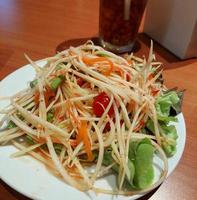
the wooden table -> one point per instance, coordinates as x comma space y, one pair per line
38, 27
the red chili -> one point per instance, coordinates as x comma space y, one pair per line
154, 91
80, 81
128, 78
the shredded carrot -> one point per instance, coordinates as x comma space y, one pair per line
40, 140
36, 97
119, 71
83, 136
57, 112
40, 127
92, 61
76, 176
43, 154
139, 126
154, 91
61, 118
73, 142
48, 94
71, 114
150, 76
130, 61
52, 75
73, 172
43, 140
131, 106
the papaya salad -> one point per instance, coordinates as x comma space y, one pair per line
88, 107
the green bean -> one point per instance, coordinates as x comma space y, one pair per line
30, 140
11, 125
33, 83
56, 82
50, 115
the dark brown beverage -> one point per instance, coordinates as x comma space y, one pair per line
119, 23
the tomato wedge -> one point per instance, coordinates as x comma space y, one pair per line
100, 103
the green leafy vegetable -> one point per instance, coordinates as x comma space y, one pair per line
144, 172
134, 145
108, 160
170, 135
164, 103
129, 181
150, 125
169, 131
141, 155
169, 149
177, 107
140, 164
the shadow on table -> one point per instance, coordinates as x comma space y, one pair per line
168, 56
149, 195
14, 193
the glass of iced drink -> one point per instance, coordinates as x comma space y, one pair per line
119, 22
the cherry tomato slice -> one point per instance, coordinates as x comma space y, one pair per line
100, 103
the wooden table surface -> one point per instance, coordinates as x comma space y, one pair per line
38, 27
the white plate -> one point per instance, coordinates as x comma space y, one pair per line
31, 178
